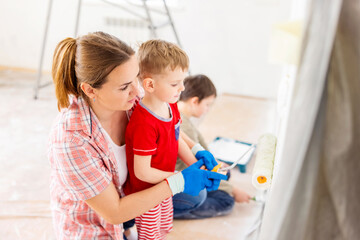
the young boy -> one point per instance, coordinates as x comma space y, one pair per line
153, 139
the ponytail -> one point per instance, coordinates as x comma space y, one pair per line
63, 71
87, 59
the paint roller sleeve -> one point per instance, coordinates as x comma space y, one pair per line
264, 162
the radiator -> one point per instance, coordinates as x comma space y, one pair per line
132, 31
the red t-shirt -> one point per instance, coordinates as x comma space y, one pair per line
150, 134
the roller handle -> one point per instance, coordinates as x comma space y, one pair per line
216, 168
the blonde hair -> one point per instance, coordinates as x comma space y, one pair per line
157, 55
88, 59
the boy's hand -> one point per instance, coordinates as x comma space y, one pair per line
208, 159
240, 196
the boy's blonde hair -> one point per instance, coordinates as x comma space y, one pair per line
155, 56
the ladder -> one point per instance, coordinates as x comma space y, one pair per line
147, 18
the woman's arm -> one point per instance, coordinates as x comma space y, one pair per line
144, 171
116, 210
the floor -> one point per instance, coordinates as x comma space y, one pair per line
24, 168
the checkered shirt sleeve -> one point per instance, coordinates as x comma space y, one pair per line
80, 170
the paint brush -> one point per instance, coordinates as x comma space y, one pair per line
257, 199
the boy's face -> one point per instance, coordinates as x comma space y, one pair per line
201, 108
169, 84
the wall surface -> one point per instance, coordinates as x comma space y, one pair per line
227, 40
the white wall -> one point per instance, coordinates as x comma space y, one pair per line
226, 40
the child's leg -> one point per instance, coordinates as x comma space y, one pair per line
148, 224
127, 228
166, 216
184, 204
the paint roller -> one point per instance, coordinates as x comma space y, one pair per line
264, 162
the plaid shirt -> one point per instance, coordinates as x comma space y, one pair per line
82, 166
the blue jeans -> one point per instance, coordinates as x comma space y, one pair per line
127, 225
205, 205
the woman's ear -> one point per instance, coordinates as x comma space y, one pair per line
148, 84
88, 90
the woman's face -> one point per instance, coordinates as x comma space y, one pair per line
121, 88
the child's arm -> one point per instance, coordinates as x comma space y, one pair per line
199, 152
187, 139
184, 152
146, 173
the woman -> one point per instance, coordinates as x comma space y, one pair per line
95, 79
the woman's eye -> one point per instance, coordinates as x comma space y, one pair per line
174, 85
124, 88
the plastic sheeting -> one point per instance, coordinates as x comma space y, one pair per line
24, 172
316, 192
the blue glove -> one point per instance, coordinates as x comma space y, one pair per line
196, 179
208, 159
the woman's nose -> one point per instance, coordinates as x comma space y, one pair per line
135, 88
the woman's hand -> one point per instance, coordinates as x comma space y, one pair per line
196, 179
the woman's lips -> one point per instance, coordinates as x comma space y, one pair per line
132, 100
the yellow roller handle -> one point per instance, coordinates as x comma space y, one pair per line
216, 168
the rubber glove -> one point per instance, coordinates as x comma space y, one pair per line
196, 179
208, 159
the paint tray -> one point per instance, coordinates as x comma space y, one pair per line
229, 150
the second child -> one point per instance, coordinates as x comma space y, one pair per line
195, 101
